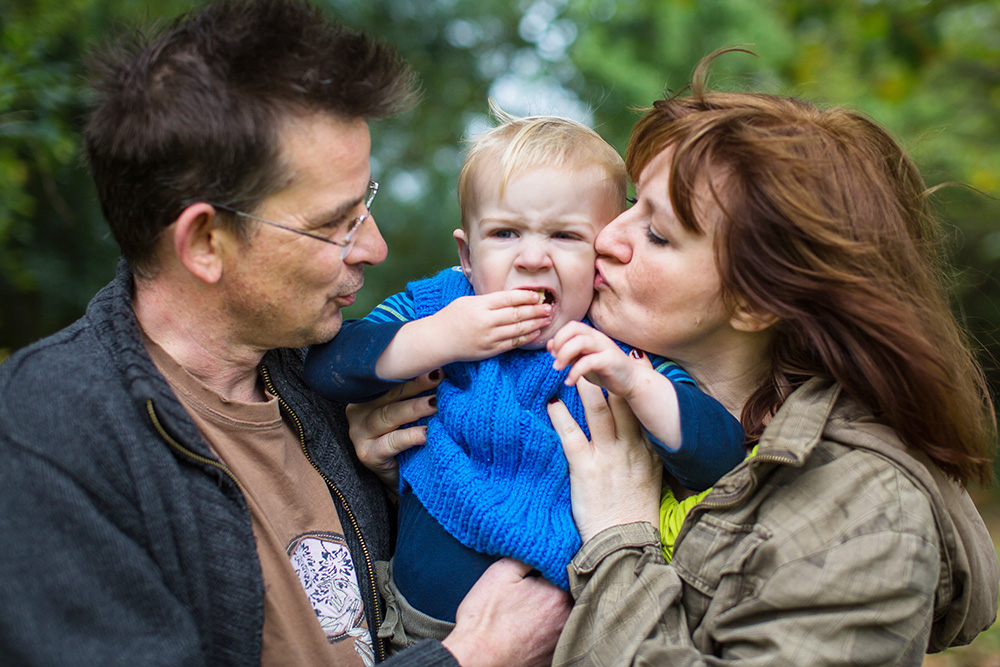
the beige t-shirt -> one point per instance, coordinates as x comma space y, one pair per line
307, 568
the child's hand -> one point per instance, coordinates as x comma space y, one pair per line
467, 329
596, 357
482, 326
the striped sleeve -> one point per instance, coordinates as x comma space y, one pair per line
397, 308
672, 371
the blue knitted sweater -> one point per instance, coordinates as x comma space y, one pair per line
493, 473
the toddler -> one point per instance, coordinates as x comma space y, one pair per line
492, 479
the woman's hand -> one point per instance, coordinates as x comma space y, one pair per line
614, 477
375, 426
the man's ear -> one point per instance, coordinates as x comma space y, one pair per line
197, 241
747, 320
463, 252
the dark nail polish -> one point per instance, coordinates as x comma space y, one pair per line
433, 401
636, 354
553, 400
435, 375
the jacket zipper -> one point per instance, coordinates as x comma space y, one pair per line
187, 452
343, 500
706, 504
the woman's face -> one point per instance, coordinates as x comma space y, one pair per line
657, 284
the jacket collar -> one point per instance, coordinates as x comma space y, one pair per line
965, 599
800, 422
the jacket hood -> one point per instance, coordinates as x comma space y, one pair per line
966, 597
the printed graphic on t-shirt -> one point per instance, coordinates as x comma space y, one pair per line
326, 570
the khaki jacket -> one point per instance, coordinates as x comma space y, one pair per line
833, 545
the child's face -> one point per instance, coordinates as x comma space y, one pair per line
539, 235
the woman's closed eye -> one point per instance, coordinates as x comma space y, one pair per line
655, 238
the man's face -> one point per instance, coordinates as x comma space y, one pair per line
539, 234
286, 289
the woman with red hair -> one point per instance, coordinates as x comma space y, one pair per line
787, 257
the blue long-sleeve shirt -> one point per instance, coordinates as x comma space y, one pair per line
344, 370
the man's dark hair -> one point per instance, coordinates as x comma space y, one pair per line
193, 112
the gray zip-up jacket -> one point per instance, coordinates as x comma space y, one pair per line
123, 540
833, 545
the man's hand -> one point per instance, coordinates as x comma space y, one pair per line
508, 618
375, 426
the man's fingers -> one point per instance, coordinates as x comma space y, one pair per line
509, 568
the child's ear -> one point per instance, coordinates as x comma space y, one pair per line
198, 243
463, 252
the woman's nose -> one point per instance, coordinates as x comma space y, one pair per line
614, 241
533, 255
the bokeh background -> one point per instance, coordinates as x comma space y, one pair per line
927, 69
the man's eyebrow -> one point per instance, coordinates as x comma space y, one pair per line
339, 212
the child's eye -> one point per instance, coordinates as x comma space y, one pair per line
566, 236
503, 234
654, 238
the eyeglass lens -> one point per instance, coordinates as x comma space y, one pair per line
369, 200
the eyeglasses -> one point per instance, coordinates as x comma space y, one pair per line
346, 243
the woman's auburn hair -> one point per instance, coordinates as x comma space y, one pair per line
824, 223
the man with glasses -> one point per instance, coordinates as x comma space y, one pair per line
171, 492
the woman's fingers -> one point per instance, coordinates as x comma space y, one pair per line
574, 441
375, 426
600, 420
418, 385
614, 477
627, 426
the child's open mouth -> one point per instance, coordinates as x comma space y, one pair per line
547, 296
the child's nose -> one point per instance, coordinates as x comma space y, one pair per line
533, 255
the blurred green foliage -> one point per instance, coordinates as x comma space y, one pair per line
928, 69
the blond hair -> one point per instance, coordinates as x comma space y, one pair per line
517, 145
